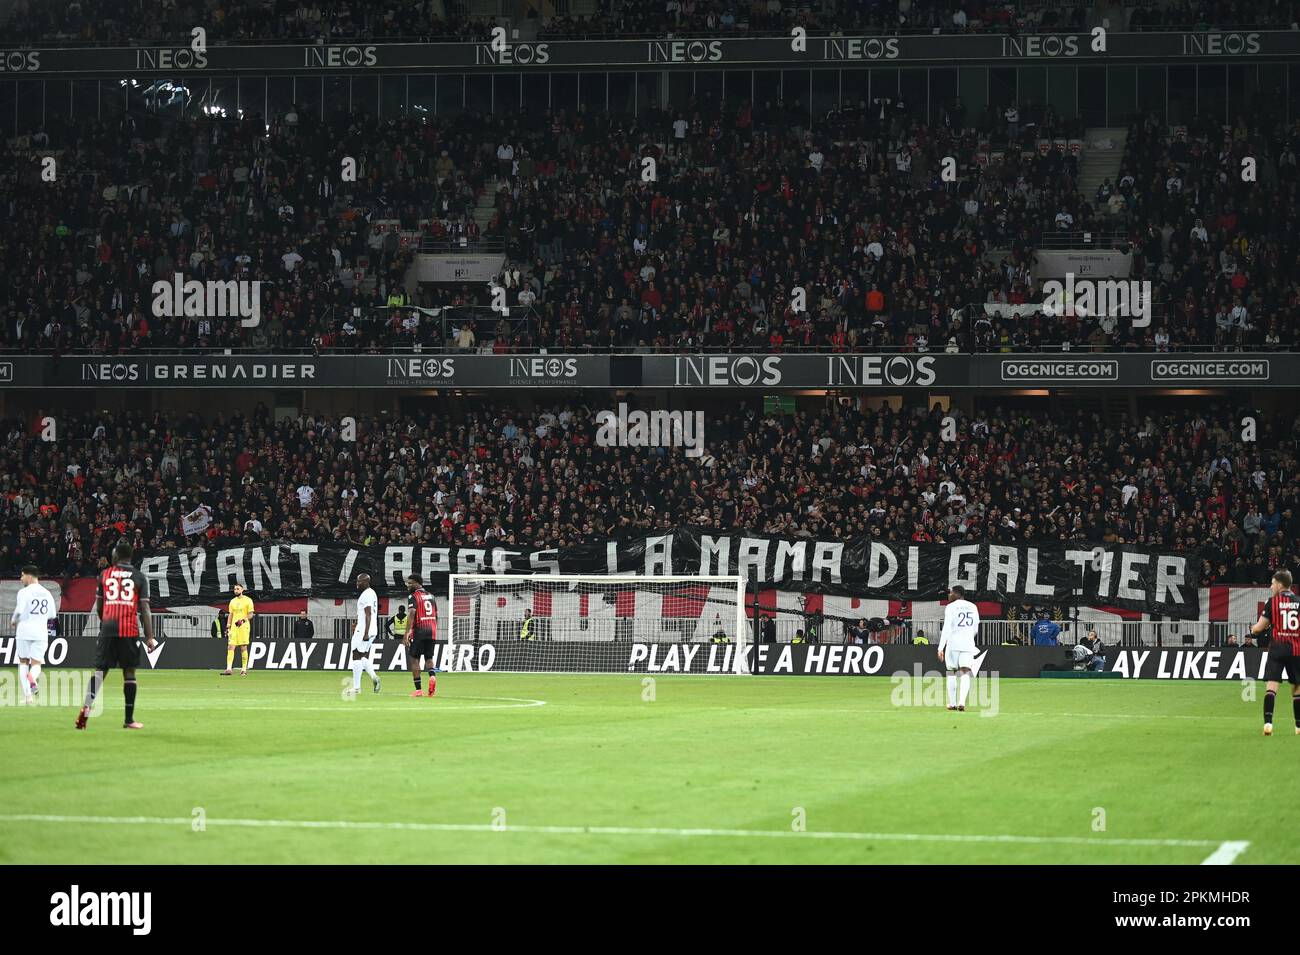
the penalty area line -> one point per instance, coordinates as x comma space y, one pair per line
1221, 851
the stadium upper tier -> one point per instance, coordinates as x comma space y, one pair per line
130, 22
484, 473
746, 205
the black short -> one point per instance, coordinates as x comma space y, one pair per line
423, 647
1282, 659
115, 651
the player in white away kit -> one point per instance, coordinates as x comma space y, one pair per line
32, 614
363, 636
961, 623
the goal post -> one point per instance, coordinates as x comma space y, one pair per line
599, 623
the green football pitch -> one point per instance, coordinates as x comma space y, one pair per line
570, 768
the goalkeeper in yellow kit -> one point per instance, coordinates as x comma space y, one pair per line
238, 628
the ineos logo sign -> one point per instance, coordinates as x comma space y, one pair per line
340, 56
685, 51
421, 368
897, 371
517, 54
1220, 44
110, 371
1040, 45
180, 59
862, 48
543, 368
740, 371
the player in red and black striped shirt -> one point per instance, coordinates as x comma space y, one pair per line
1281, 616
421, 634
122, 603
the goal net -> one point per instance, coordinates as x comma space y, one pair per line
600, 624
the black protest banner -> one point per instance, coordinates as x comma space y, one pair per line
1125, 576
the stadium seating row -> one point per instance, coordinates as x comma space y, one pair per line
746, 206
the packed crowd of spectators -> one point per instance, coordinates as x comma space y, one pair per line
1206, 15
680, 228
136, 202
856, 212
170, 21
483, 474
1220, 248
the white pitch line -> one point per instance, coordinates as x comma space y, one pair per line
976, 710
1128, 716
236, 703
616, 831
899, 710
508, 703
345, 708
1226, 853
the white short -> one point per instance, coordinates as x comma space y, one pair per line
362, 643
33, 648
958, 659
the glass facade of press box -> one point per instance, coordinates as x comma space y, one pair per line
1100, 95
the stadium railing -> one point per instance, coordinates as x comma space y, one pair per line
1113, 633
1170, 634
1082, 240
461, 246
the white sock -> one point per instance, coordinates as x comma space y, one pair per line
368, 665
964, 681
951, 681
35, 670
22, 676
356, 674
